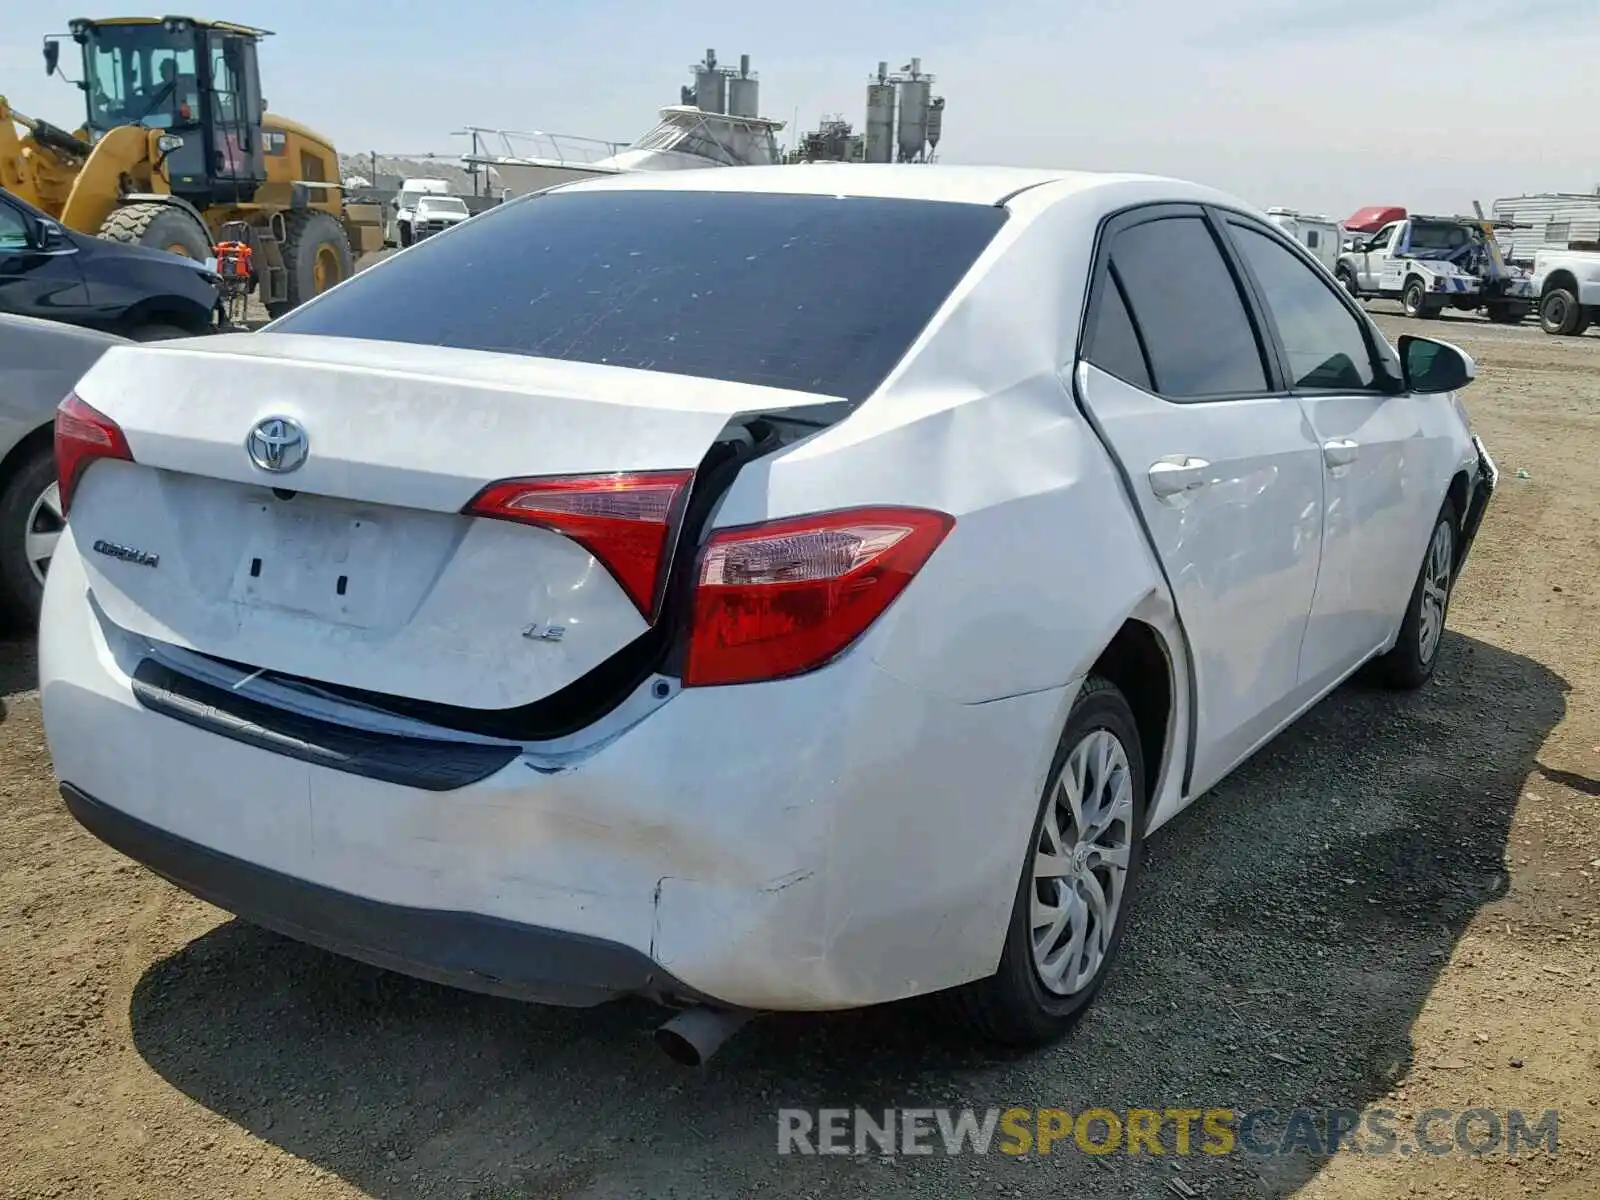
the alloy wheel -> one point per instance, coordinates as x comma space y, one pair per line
43, 531
1435, 592
1080, 863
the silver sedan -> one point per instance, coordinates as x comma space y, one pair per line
39, 363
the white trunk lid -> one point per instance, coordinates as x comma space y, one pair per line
369, 577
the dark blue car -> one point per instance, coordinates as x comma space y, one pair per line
49, 271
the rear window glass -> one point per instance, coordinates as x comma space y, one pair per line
819, 294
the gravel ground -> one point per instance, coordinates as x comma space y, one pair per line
1396, 905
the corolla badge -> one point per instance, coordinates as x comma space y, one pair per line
278, 444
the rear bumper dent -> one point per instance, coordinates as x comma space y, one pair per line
466, 950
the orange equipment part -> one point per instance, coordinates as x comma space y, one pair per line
234, 259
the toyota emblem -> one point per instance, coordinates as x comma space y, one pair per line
277, 444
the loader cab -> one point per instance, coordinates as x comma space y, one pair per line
195, 81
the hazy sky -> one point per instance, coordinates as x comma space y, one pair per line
1319, 104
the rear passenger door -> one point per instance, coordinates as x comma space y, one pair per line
1181, 385
1377, 459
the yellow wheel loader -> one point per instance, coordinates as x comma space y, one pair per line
177, 142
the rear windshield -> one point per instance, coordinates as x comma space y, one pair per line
819, 294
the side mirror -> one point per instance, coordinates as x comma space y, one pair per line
52, 56
48, 236
1432, 366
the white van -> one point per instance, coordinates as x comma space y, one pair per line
1323, 236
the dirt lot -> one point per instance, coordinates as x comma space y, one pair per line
1395, 906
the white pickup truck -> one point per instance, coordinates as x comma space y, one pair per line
1431, 263
1567, 283
423, 206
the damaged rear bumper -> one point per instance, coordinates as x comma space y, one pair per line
461, 949
825, 842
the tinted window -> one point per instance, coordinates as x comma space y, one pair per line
1321, 337
1188, 308
13, 229
815, 293
1113, 344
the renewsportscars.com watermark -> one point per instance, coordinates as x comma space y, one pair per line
1177, 1131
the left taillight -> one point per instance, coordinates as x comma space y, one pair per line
625, 519
84, 435
788, 596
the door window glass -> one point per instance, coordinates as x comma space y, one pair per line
1114, 343
13, 230
1322, 339
1185, 303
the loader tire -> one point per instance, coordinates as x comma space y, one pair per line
159, 227
316, 255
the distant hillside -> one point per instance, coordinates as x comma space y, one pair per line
390, 170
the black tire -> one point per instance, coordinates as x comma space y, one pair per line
1415, 301
157, 332
1506, 314
1347, 280
159, 227
1013, 1007
1560, 312
1410, 664
310, 234
20, 593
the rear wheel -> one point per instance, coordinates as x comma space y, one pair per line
30, 526
160, 227
1561, 314
1410, 664
316, 255
1083, 858
1507, 314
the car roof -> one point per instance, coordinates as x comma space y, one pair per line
900, 181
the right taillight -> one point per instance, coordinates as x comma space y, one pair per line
786, 596
83, 435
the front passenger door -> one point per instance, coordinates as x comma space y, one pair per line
35, 282
1175, 377
1374, 256
1376, 456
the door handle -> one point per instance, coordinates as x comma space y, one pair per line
1340, 452
1179, 474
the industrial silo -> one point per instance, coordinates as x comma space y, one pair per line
744, 91
880, 117
935, 124
913, 123
710, 85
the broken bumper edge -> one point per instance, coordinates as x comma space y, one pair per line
1478, 504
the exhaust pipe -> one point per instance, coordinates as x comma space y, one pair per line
695, 1034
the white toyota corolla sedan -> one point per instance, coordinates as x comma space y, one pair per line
786, 588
